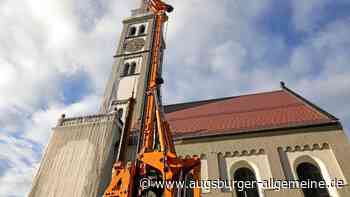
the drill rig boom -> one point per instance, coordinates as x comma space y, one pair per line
156, 156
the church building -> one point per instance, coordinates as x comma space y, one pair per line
275, 135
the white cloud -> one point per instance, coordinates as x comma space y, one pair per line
38, 127
21, 160
15, 184
43, 44
307, 14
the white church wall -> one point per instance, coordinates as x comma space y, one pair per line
204, 174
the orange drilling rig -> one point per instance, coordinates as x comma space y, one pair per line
156, 159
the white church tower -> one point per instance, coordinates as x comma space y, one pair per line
132, 61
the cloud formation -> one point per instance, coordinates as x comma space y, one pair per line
56, 56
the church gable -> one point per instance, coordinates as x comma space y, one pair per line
248, 113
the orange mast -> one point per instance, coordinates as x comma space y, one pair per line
151, 163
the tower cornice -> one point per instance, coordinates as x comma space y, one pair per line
137, 18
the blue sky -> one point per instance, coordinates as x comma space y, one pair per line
56, 57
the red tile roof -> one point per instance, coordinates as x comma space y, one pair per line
255, 112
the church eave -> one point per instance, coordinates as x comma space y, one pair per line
334, 124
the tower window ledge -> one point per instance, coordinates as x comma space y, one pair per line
131, 53
130, 75
136, 36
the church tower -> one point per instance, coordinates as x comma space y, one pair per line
132, 62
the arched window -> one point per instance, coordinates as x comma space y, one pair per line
132, 31
309, 172
120, 113
132, 68
242, 175
142, 29
126, 69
